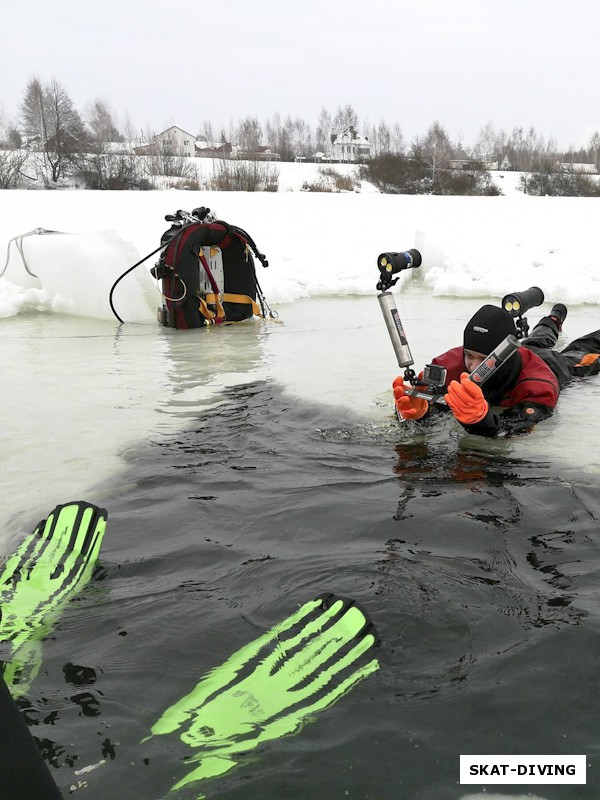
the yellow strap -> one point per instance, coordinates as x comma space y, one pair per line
205, 310
236, 298
215, 300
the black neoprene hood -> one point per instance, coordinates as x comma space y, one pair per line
487, 328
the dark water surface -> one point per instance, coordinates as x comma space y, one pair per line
479, 570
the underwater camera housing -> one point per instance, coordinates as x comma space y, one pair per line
434, 378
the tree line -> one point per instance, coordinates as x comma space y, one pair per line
67, 140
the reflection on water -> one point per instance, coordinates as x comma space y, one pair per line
91, 389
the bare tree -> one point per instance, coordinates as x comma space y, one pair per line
272, 128
397, 139
249, 135
12, 165
594, 149
10, 137
14, 138
32, 113
66, 135
280, 137
105, 166
382, 138
551, 151
323, 131
102, 123
53, 126
436, 149
302, 140
486, 144
206, 132
344, 118
516, 145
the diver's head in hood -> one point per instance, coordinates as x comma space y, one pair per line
483, 332
487, 328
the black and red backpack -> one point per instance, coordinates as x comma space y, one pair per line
207, 272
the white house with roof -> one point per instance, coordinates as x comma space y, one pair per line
350, 146
177, 140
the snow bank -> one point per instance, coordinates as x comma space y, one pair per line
317, 245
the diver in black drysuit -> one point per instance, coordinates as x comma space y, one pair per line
565, 364
524, 390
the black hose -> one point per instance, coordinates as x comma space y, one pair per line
161, 247
120, 278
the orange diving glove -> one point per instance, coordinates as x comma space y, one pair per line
407, 406
466, 400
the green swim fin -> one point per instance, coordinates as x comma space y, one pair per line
272, 686
49, 567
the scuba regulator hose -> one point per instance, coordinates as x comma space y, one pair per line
127, 271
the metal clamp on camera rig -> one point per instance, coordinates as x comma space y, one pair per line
431, 385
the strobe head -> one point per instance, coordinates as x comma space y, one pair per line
391, 264
519, 303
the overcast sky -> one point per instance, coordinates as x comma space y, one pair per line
460, 62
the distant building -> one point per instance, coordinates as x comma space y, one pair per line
505, 166
206, 149
262, 153
472, 163
175, 139
179, 142
580, 169
350, 146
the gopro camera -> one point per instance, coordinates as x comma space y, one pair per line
434, 375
